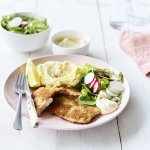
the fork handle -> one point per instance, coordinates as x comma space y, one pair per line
18, 123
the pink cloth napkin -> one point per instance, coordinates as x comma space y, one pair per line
137, 45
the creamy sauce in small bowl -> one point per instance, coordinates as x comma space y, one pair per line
70, 42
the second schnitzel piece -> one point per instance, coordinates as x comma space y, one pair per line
43, 96
71, 109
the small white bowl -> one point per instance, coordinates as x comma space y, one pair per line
25, 42
81, 49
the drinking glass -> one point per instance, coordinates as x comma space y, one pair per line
124, 13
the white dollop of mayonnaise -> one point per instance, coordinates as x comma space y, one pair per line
106, 106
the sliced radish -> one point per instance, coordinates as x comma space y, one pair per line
15, 22
116, 87
23, 23
89, 78
92, 84
96, 87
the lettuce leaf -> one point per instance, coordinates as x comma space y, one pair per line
87, 100
104, 83
88, 68
85, 90
86, 96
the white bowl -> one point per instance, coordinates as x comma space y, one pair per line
83, 49
25, 42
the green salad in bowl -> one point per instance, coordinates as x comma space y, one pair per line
22, 24
25, 31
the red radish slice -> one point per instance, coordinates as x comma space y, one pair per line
89, 78
96, 87
23, 23
92, 84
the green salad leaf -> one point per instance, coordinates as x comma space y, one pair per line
106, 71
88, 68
87, 100
85, 90
86, 96
104, 83
117, 76
118, 99
16, 29
121, 79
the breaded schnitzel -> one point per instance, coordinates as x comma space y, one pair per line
64, 103
43, 96
70, 109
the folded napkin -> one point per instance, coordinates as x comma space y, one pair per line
137, 45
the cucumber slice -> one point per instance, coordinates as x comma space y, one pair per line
112, 94
116, 87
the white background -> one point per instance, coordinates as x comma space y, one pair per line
130, 131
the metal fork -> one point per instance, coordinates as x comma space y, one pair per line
19, 89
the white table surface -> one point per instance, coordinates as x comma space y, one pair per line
129, 131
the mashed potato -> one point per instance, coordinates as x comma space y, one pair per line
60, 73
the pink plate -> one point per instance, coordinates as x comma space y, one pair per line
54, 122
